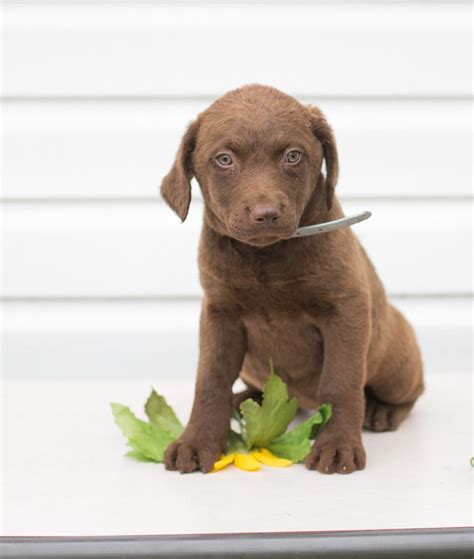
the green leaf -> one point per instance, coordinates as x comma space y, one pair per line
264, 423
146, 439
161, 414
296, 444
126, 421
326, 411
235, 442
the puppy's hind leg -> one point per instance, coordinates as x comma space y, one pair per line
392, 392
249, 392
382, 416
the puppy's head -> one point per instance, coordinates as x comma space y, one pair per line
257, 155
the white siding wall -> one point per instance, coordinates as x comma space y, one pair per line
99, 276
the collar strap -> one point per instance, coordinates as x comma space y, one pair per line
318, 228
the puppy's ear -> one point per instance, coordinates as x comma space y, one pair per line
324, 134
176, 186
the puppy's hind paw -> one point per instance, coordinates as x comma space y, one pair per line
380, 416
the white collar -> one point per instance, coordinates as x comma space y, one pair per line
318, 228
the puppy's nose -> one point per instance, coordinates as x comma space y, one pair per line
265, 213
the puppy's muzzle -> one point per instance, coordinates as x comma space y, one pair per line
265, 214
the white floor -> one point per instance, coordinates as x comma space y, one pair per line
64, 474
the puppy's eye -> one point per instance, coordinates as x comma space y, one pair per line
224, 159
293, 156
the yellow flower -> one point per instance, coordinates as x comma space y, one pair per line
269, 459
250, 462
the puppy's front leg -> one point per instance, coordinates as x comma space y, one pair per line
346, 334
222, 346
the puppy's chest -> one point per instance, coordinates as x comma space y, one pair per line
271, 294
293, 342
271, 299
279, 284
280, 307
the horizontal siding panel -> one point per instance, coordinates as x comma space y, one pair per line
119, 149
143, 249
154, 338
95, 49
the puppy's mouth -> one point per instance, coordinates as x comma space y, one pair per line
263, 238
263, 241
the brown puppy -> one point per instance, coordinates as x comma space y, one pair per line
314, 304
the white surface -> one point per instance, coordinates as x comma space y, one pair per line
64, 472
142, 338
80, 149
177, 49
144, 250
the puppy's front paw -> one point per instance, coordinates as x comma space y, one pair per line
336, 454
188, 455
